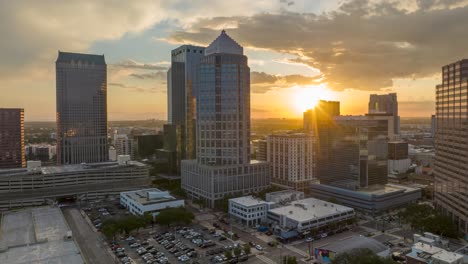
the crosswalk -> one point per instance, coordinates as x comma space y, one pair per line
265, 259
296, 250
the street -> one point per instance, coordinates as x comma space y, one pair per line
90, 242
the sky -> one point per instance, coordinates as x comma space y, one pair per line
299, 51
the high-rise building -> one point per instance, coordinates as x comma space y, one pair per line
433, 126
12, 138
182, 95
385, 104
352, 150
124, 145
223, 166
81, 81
262, 150
291, 158
451, 144
398, 157
324, 111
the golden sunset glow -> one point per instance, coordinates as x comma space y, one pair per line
306, 97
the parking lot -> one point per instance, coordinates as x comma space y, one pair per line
178, 245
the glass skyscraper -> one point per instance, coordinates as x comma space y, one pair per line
451, 144
223, 164
81, 81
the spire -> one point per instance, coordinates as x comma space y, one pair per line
224, 44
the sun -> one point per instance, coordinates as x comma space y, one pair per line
307, 97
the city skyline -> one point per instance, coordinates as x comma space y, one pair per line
289, 74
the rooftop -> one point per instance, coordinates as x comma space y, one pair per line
309, 209
224, 44
69, 168
69, 57
447, 256
353, 242
248, 201
149, 196
36, 235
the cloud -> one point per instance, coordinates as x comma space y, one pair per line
159, 75
136, 88
131, 64
362, 45
262, 82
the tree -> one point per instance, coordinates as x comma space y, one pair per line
110, 228
423, 217
332, 200
237, 252
361, 256
178, 215
247, 249
289, 260
228, 254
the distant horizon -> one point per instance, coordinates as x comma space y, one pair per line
266, 118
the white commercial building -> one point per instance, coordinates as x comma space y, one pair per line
291, 158
249, 210
296, 218
148, 201
304, 215
426, 253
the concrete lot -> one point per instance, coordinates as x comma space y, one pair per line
46, 224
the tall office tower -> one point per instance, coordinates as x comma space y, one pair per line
324, 111
223, 166
451, 144
433, 126
291, 158
354, 151
12, 138
182, 95
81, 108
385, 104
398, 158
124, 145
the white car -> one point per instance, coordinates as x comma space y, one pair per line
324, 235
259, 248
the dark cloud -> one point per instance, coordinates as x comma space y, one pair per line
159, 75
136, 88
131, 64
262, 82
362, 45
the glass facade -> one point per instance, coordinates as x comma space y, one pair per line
451, 143
223, 110
352, 151
81, 81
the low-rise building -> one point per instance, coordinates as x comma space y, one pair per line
38, 184
422, 253
327, 253
304, 215
249, 210
149, 201
284, 197
372, 200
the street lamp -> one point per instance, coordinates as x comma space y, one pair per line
310, 242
